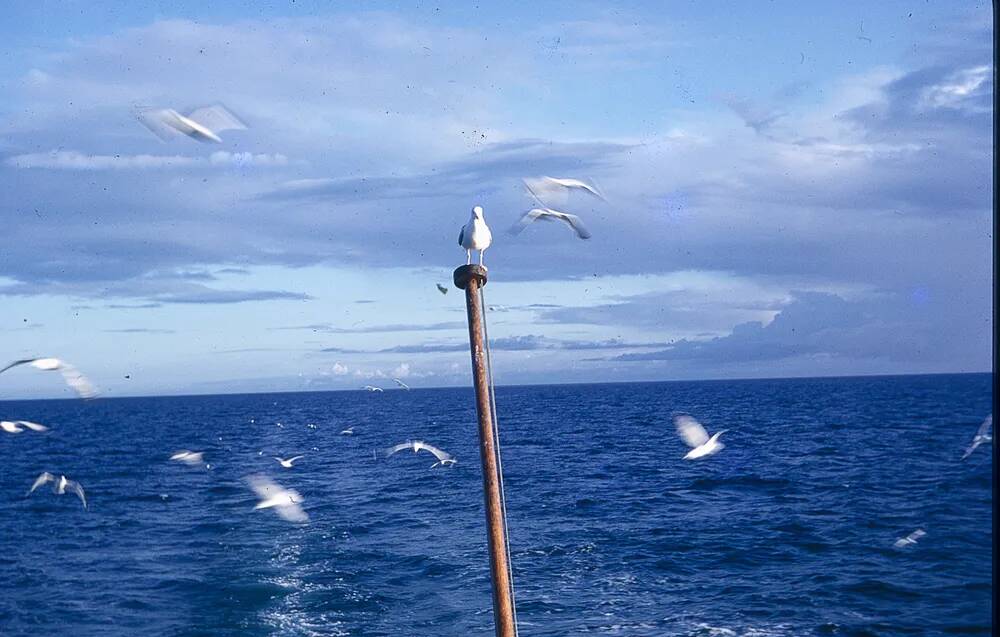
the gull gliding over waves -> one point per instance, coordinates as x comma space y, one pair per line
443, 457
287, 463
18, 426
372, 388
983, 435
475, 235
348, 432
910, 539
401, 384
201, 124
191, 458
548, 214
285, 502
691, 431
60, 487
71, 375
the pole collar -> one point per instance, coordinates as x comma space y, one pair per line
466, 273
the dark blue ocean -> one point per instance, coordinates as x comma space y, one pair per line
788, 531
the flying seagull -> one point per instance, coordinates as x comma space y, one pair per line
549, 190
475, 235
443, 457
691, 431
348, 432
910, 539
202, 124
548, 214
442, 289
372, 388
287, 463
983, 435
70, 374
285, 502
401, 384
60, 487
191, 458
18, 426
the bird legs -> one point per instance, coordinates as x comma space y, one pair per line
468, 257
482, 253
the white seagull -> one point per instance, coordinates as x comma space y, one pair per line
401, 384
983, 435
549, 190
202, 124
372, 388
61, 486
191, 458
348, 432
70, 374
285, 502
691, 431
475, 235
910, 539
18, 426
287, 463
548, 214
442, 289
443, 458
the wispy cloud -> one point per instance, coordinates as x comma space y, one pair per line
524, 343
326, 328
140, 330
74, 160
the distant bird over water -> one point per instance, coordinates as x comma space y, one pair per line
692, 433
548, 214
18, 426
288, 463
983, 435
202, 124
475, 235
372, 388
285, 502
190, 458
442, 289
348, 432
401, 384
910, 539
61, 486
77, 381
443, 457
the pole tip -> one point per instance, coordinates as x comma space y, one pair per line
466, 273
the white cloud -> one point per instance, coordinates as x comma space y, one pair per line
74, 160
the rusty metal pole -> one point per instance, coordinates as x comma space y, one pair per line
471, 278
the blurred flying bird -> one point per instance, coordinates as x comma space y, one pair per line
443, 457
17, 426
287, 463
285, 502
475, 235
442, 289
191, 458
983, 435
202, 124
372, 388
348, 432
60, 487
401, 383
910, 539
548, 191
547, 214
70, 374
692, 433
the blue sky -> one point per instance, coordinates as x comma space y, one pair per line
793, 190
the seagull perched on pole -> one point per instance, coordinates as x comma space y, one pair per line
691, 431
62, 484
202, 124
475, 235
443, 457
983, 435
70, 374
548, 214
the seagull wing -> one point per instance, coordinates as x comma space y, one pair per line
40, 480
576, 224
461, 237
293, 459
34, 426
578, 183
546, 191
83, 387
691, 431
439, 454
984, 429
401, 446
217, 118
76, 488
290, 510
527, 219
23, 361
442, 289
10, 427
400, 383
264, 487
162, 122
